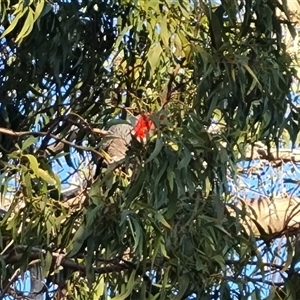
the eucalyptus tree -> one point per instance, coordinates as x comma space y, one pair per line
166, 224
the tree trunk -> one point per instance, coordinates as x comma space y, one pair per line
275, 216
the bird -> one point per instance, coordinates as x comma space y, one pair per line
120, 137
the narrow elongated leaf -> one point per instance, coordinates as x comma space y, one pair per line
14, 23
34, 165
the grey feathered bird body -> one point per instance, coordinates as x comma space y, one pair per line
117, 143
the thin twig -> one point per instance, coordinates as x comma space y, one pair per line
11, 281
167, 92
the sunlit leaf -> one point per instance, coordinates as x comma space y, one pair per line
29, 142
45, 176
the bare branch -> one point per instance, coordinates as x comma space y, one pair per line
166, 94
15, 255
278, 156
13, 278
46, 134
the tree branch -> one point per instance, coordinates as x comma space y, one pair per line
47, 134
275, 216
166, 94
16, 254
277, 156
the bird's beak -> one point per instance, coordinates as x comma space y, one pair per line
142, 141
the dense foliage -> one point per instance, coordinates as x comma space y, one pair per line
163, 227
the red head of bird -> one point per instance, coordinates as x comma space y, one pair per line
143, 127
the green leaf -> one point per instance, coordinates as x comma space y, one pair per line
170, 177
154, 56
13, 23
161, 219
185, 160
82, 233
184, 282
34, 165
46, 9
136, 232
28, 186
46, 264
253, 75
28, 142
173, 198
129, 287
220, 260
158, 146
46, 176
164, 32
27, 27
38, 9
121, 35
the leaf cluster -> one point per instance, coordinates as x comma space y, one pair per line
160, 227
